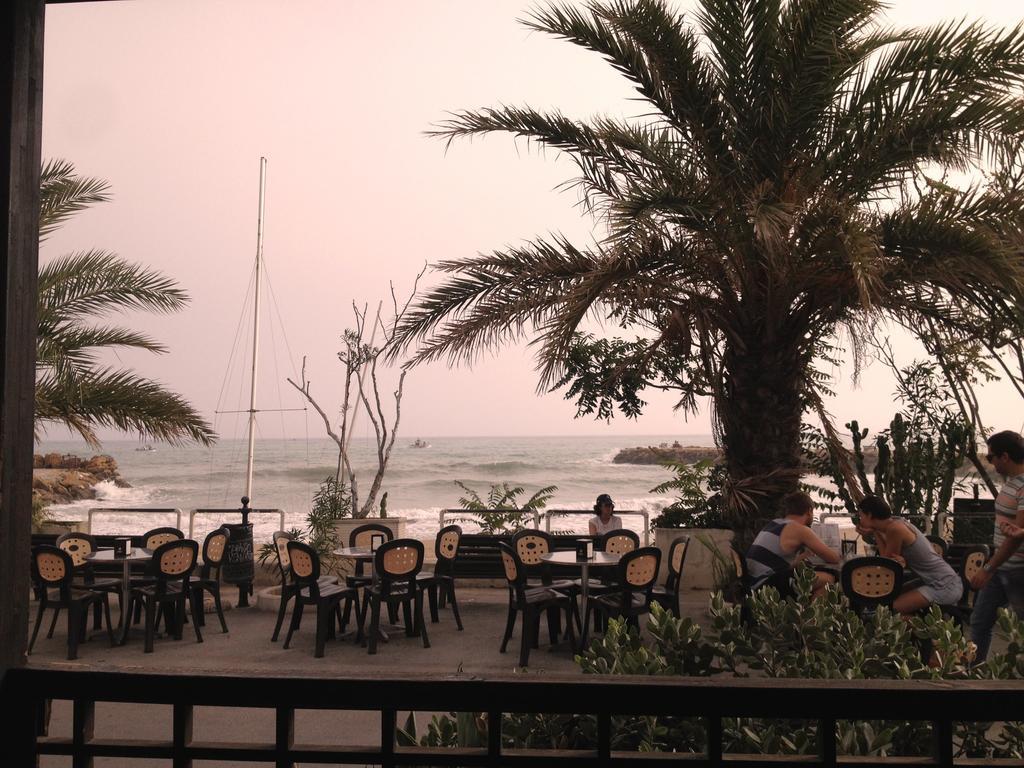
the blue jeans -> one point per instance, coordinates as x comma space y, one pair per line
1004, 588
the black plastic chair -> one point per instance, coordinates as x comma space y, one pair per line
618, 542
214, 546
869, 582
531, 603
973, 559
173, 563
396, 565
309, 590
440, 584
53, 573
80, 546
939, 544
667, 595
151, 540
288, 587
637, 572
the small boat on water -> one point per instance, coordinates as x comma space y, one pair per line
420, 444
147, 448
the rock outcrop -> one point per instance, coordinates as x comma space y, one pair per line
58, 479
651, 454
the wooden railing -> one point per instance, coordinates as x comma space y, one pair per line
820, 701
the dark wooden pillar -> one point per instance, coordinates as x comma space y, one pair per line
21, 120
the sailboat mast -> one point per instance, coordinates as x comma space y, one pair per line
255, 332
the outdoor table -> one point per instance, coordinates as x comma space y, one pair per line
365, 555
599, 560
138, 555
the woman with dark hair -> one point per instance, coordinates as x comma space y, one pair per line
604, 521
903, 542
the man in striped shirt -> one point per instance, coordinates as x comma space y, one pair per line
1001, 580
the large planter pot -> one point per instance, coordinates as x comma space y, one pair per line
699, 569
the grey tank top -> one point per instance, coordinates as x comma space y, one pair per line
766, 556
923, 561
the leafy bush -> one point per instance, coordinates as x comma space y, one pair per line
331, 503
504, 514
699, 502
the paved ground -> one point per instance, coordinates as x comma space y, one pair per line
247, 649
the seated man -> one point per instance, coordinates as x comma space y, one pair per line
781, 545
898, 539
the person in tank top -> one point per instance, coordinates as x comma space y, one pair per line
603, 520
900, 540
782, 544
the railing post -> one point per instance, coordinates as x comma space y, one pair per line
827, 742
388, 723
604, 738
182, 735
83, 719
494, 738
942, 733
285, 737
715, 740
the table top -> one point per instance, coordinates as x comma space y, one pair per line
358, 553
138, 555
568, 557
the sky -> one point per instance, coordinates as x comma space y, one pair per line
174, 101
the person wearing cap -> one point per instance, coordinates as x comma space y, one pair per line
603, 520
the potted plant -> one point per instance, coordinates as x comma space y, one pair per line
697, 512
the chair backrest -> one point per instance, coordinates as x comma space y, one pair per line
618, 542
939, 545
871, 581
305, 564
515, 572
78, 545
973, 559
214, 546
152, 540
530, 545
638, 570
446, 548
284, 563
175, 560
676, 559
360, 536
398, 560
52, 568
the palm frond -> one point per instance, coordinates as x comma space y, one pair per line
65, 193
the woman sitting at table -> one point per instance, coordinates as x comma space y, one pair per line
604, 521
900, 540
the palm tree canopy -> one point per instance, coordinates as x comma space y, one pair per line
77, 289
788, 181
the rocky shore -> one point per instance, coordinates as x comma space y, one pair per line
691, 454
61, 479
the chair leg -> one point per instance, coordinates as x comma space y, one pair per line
510, 624
450, 591
281, 611
324, 619
421, 624
97, 616
74, 630
106, 613
296, 620
348, 611
432, 596
53, 623
195, 602
554, 622
220, 608
371, 640
39, 621
150, 624
571, 619
410, 629
530, 620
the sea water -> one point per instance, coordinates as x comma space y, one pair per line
420, 482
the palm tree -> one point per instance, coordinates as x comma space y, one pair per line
72, 387
787, 187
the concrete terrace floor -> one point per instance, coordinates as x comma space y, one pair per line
246, 649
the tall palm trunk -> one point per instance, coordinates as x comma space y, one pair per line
760, 416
